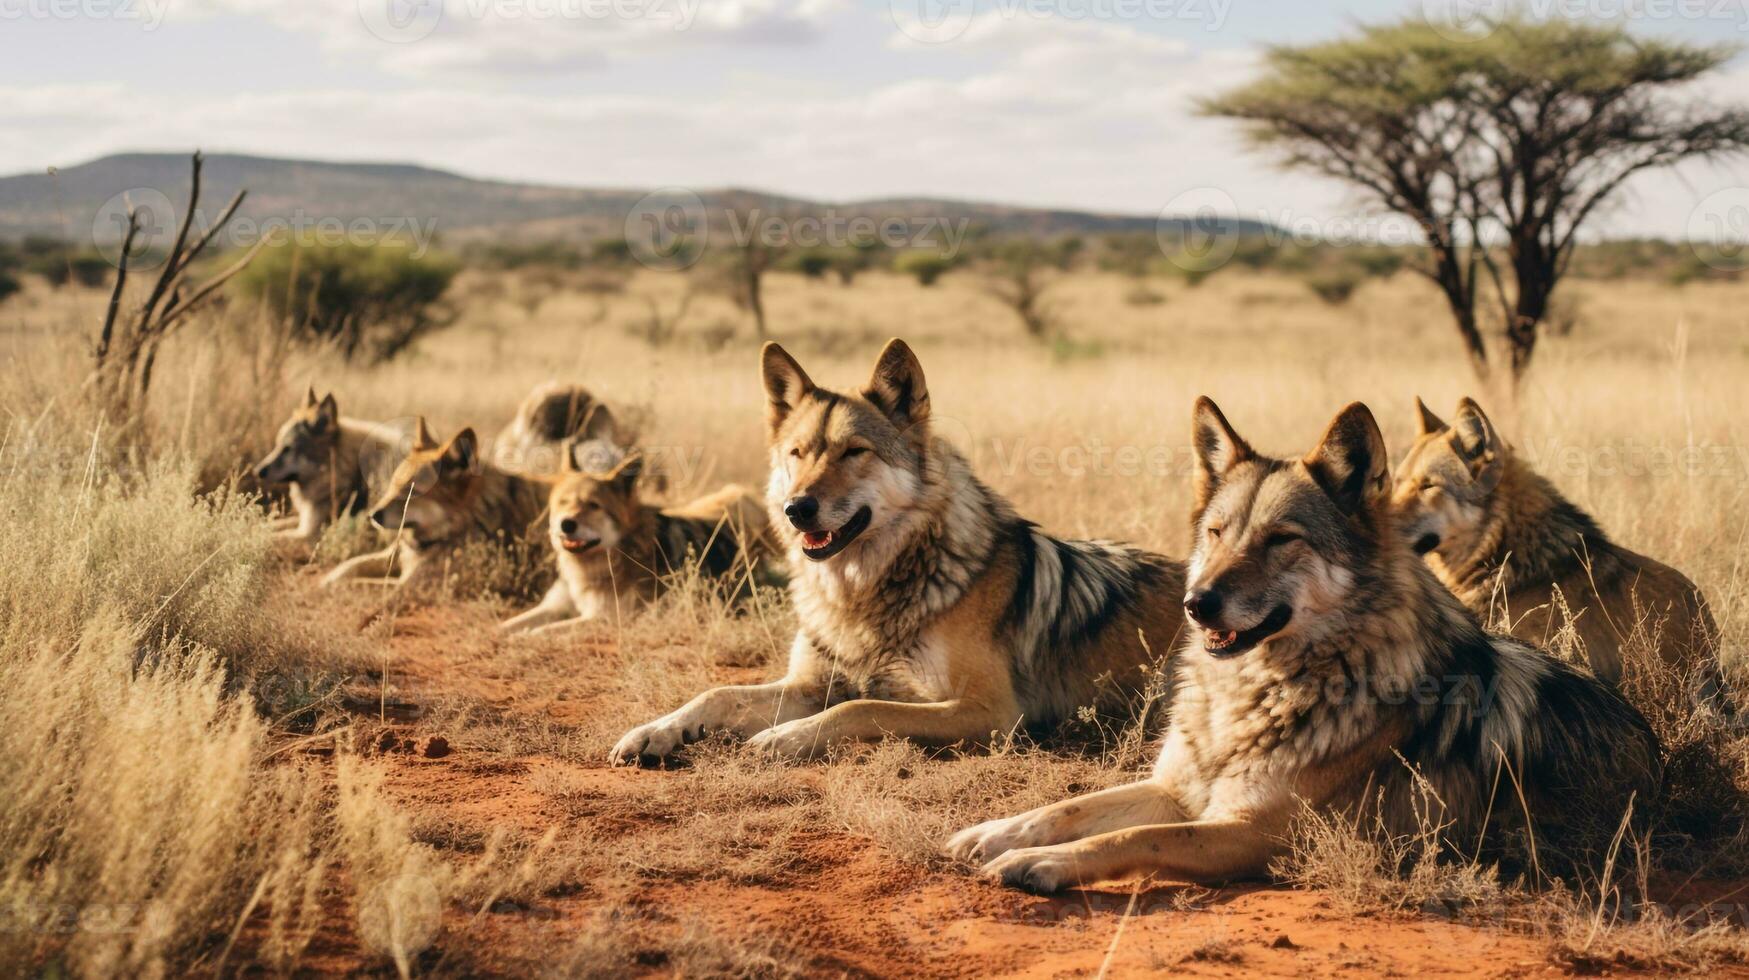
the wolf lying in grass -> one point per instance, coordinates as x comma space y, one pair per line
1505, 541
616, 553
440, 496
556, 423
929, 609
333, 465
1330, 668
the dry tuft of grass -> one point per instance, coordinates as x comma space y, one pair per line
619, 941
140, 817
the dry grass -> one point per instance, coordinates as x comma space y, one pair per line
139, 816
138, 617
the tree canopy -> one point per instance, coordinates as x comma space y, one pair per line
1511, 134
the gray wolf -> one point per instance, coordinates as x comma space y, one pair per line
1509, 545
332, 464
1329, 668
929, 610
616, 553
440, 496
556, 424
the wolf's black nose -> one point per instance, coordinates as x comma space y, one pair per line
261, 472
801, 511
1203, 605
568, 526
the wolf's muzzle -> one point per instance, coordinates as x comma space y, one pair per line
1203, 605
803, 512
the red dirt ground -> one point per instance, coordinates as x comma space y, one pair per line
850, 908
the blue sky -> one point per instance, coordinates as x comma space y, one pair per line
1074, 103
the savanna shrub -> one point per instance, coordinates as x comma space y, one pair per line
1334, 285
927, 267
372, 302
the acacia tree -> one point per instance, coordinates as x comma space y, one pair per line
1020, 271
1498, 143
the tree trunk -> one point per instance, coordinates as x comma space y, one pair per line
1460, 296
1534, 274
751, 269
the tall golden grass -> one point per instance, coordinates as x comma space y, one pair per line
140, 781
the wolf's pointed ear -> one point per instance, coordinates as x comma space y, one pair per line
1425, 419
897, 387
598, 423
328, 412
422, 438
463, 449
1218, 448
786, 384
310, 397
1350, 461
1476, 438
625, 476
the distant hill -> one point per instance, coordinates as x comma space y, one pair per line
70, 203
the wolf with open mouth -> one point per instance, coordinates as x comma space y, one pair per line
1329, 671
929, 610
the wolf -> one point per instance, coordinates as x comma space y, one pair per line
332, 464
441, 495
1506, 542
556, 423
928, 609
616, 553
1329, 668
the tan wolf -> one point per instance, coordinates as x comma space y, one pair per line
615, 552
929, 610
1506, 542
332, 464
440, 496
1330, 668
555, 424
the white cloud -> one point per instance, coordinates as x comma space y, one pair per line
432, 38
1018, 110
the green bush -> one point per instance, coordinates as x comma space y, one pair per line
926, 267
56, 261
524, 255
1378, 261
811, 262
610, 251
843, 261
87, 268
1335, 284
9, 284
1190, 269
371, 301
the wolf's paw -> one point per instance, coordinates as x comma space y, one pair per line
795, 741
984, 842
335, 577
655, 741
1036, 869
